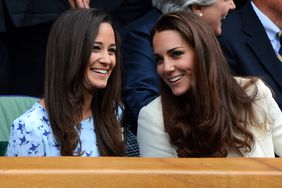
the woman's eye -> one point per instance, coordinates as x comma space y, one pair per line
112, 51
96, 48
176, 54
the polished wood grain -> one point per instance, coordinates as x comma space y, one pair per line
80, 172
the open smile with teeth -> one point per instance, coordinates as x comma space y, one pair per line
175, 79
224, 17
100, 71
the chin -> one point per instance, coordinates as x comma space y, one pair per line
100, 86
178, 93
218, 31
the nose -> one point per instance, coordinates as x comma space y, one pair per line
168, 66
232, 5
105, 58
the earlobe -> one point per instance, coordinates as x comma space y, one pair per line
197, 9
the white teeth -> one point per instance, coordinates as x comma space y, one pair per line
100, 71
176, 78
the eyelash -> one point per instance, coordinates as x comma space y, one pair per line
111, 51
176, 54
96, 48
173, 54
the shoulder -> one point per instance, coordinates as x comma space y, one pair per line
153, 108
265, 107
33, 118
29, 133
151, 135
150, 118
262, 89
152, 115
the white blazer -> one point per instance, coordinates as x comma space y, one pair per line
154, 141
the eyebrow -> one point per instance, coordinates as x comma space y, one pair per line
168, 51
100, 43
171, 50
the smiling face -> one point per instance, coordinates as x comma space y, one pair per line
175, 61
214, 13
102, 59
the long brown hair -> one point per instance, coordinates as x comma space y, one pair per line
69, 47
213, 116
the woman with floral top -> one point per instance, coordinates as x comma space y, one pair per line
80, 112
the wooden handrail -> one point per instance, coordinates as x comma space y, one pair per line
81, 172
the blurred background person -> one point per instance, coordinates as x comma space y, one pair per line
251, 42
24, 29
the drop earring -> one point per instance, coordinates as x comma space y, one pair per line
200, 14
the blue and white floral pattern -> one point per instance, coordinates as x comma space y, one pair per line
31, 135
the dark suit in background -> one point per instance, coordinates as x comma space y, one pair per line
24, 30
129, 11
140, 79
249, 51
135, 19
239, 3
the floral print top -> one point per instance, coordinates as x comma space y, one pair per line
31, 135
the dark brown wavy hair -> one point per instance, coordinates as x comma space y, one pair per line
69, 47
214, 116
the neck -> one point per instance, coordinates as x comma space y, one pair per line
270, 11
86, 110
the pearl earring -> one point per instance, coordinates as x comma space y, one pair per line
200, 14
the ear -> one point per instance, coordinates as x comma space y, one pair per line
197, 9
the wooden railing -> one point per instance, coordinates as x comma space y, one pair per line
80, 172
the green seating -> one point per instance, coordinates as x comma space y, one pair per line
11, 107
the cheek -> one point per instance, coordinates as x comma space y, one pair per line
227, 7
210, 20
159, 70
216, 19
113, 61
215, 23
94, 57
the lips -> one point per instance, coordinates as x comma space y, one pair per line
175, 78
100, 71
224, 16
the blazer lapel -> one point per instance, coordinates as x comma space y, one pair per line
261, 46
